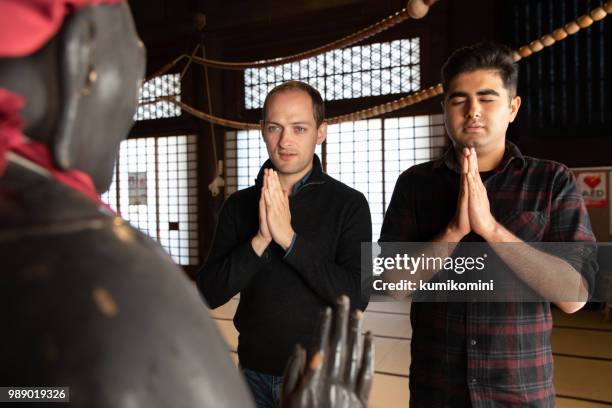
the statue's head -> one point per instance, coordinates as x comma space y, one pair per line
79, 65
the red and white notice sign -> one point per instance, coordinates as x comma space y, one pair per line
594, 187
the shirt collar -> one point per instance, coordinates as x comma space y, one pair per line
301, 183
511, 152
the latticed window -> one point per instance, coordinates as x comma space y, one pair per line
355, 157
155, 188
164, 85
354, 72
367, 155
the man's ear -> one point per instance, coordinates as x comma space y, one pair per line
75, 74
515, 104
322, 132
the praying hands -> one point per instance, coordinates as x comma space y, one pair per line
473, 209
274, 215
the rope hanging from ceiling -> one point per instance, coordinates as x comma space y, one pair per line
525, 51
415, 9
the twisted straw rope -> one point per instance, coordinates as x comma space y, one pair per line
351, 39
525, 51
562, 33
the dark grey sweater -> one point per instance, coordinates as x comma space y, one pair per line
282, 297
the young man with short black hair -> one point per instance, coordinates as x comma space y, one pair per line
483, 189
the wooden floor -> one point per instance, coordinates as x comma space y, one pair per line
582, 348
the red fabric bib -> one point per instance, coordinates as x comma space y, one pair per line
26, 25
12, 140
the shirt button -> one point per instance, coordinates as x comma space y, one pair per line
473, 342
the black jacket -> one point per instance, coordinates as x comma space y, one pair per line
282, 297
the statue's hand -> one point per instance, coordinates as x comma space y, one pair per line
340, 372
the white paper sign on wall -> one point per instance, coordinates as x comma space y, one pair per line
594, 187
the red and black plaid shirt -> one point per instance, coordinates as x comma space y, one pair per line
486, 354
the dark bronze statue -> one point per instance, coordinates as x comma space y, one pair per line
87, 301
341, 369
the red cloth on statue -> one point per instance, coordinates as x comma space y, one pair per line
12, 140
26, 25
